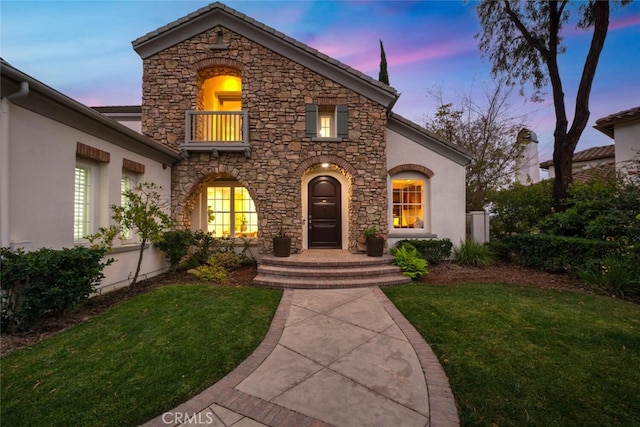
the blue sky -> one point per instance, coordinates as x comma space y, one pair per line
83, 49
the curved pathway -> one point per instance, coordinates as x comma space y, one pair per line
344, 357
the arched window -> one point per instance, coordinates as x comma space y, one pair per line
409, 201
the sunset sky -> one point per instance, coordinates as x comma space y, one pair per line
83, 49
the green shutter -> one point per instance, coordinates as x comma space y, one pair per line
342, 115
311, 112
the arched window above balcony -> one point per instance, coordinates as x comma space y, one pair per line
222, 93
219, 123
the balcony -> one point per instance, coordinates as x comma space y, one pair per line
217, 131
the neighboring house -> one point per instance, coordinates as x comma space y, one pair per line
276, 134
247, 130
587, 163
622, 156
63, 165
624, 128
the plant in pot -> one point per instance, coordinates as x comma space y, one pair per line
281, 244
243, 223
375, 241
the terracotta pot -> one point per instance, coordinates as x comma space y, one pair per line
375, 246
282, 246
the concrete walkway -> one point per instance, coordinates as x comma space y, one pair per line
343, 357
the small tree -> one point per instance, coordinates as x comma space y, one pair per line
487, 128
142, 213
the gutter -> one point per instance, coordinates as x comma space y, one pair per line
4, 161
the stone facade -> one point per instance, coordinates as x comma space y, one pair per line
275, 90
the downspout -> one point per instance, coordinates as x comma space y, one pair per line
4, 162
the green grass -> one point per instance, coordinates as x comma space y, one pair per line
136, 360
531, 356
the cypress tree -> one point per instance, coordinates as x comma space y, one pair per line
383, 76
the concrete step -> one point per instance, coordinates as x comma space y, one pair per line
336, 272
306, 283
326, 272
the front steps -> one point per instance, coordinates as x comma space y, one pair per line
328, 269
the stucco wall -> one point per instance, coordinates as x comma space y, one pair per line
42, 159
446, 189
627, 142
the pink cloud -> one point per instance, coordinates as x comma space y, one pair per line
627, 21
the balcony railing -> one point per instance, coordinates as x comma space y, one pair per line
217, 131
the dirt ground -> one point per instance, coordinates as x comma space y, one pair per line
441, 274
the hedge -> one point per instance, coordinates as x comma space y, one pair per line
556, 253
47, 281
433, 250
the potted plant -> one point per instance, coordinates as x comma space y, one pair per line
375, 241
243, 223
281, 244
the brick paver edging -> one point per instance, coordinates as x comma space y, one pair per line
223, 392
442, 405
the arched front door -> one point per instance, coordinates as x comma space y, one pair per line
324, 213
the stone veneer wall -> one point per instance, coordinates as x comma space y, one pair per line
275, 91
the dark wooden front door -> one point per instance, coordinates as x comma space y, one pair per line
324, 213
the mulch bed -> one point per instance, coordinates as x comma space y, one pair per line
440, 274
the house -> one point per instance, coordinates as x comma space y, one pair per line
248, 130
275, 134
624, 128
622, 156
598, 161
63, 165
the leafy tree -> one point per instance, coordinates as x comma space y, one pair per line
523, 40
488, 130
143, 213
383, 75
519, 208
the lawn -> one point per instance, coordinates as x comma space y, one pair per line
519, 355
137, 359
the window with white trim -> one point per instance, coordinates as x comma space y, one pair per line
409, 201
83, 201
231, 210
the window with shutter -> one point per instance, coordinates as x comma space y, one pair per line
312, 120
327, 121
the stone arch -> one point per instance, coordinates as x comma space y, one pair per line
411, 167
213, 67
326, 158
209, 63
184, 195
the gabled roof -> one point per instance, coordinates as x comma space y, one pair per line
588, 155
428, 139
50, 103
606, 124
217, 13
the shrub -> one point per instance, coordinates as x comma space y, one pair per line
473, 253
408, 258
519, 208
557, 253
433, 250
227, 260
202, 248
175, 244
47, 281
210, 273
217, 266
617, 276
